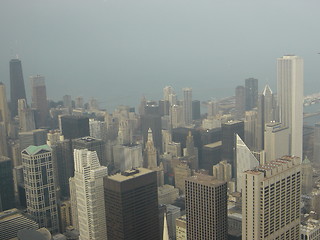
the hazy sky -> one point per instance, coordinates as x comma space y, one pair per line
119, 50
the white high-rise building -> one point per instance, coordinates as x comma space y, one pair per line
290, 99
187, 105
271, 200
276, 141
87, 192
245, 160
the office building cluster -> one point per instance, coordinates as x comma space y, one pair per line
71, 170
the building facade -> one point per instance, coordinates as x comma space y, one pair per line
39, 185
206, 208
271, 200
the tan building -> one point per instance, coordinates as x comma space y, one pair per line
271, 200
181, 172
206, 208
167, 194
65, 215
181, 228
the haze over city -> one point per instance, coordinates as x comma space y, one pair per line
118, 51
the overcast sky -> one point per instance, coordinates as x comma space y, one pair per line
119, 50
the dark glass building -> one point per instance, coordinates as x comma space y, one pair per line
17, 89
6, 184
74, 126
196, 110
229, 131
251, 86
131, 200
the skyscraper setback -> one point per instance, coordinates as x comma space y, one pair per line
290, 99
17, 88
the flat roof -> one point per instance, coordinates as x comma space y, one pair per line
130, 174
213, 145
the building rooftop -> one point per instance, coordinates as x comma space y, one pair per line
32, 150
129, 174
205, 180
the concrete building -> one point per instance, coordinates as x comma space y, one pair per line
245, 160
276, 141
222, 171
12, 221
39, 183
307, 177
4, 110
26, 117
181, 228
206, 208
187, 105
167, 194
310, 230
176, 114
92, 144
181, 172
128, 156
88, 191
271, 200
39, 99
132, 205
250, 129
172, 213
316, 144
65, 215
240, 102
290, 99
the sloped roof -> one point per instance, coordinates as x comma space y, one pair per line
32, 150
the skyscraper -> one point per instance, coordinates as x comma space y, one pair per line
206, 208
316, 144
290, 99
131, 201
74, 126
251, 85
88, 194
271, 200
229, 131
39, 184
245, 160
240, 106
187, 105
92, 144
39, 98
4, 111
17, 88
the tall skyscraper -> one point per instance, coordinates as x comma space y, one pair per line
17, 88
206, 208
6, 184
240, 106
271, 200
276, 141
4, 111
316, 144
187, 105
266, 114
245, 160
131, 201
196, 110
39, 184
229, 131
92, 144
290, 99
39, 99
26, 116
150, 153
251, 86
88, 195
